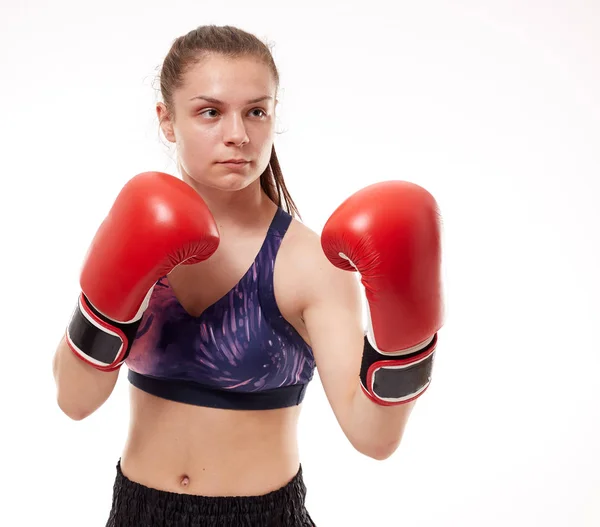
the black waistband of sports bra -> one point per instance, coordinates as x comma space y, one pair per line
190, 392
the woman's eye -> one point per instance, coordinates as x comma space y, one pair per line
210, 112
261, 113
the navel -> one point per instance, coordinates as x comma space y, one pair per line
184, 481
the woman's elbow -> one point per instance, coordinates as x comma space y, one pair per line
76, 413
379, 451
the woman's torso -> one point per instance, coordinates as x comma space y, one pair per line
209, 451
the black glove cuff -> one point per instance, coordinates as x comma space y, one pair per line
100, 341
396, 379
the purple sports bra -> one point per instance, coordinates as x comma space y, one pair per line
240, 353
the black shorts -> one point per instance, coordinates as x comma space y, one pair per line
135, 505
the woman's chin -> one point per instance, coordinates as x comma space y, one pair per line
227, 181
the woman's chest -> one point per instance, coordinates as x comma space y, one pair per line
238, 274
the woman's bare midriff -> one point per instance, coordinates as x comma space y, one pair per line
207, 451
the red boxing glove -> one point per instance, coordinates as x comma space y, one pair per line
390, 233
156, 223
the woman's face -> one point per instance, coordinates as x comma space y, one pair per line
224, 111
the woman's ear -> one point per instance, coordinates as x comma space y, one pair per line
165, 121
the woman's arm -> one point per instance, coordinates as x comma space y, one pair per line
333, 319
80, 388
390, 233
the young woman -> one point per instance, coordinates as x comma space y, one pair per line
221, 304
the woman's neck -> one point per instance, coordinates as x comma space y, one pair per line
233, 210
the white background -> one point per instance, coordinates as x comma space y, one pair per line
494, 107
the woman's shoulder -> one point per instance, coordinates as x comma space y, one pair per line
300, 252
305, 261
302, 241
298, 260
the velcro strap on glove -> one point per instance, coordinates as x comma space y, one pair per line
101, 342
396, 378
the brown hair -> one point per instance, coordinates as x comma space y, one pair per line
232, 42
